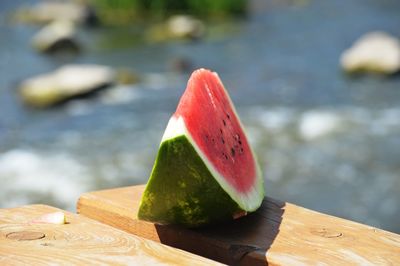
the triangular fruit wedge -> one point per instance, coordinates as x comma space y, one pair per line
205, 171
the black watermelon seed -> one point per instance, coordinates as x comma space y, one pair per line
233, 152
223, 121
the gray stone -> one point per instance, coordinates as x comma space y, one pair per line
57, 36
185, 26
67, 82
177, 27
375, 52
48, 11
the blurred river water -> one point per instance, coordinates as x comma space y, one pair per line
325, 141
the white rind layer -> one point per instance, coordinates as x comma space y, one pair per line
248, 201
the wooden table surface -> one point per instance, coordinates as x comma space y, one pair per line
80, 242
278, 233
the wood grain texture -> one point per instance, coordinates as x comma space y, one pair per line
80, 242
278, 234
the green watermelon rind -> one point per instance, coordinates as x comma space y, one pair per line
184, 188
188, 195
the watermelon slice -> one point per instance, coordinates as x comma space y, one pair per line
205, 171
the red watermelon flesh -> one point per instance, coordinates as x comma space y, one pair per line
220, 137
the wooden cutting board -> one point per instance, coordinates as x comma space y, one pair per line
81, 241
278, 233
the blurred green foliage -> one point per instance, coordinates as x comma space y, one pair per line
120, 11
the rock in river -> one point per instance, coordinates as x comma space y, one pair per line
178, 27
48, 11
185, 26
375, 52
57, 36
67, 82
